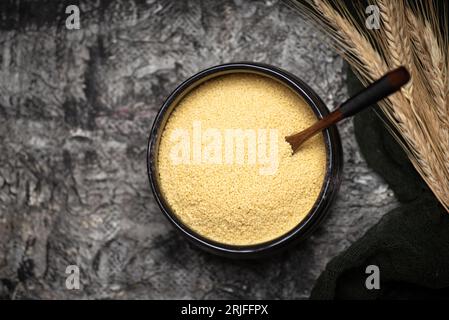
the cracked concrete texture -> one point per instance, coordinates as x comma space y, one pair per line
75, 112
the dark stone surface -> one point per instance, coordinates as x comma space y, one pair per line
75, 112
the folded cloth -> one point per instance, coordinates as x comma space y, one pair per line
409, 245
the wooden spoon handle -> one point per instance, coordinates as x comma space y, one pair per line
376, 91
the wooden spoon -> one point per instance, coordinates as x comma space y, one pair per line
376, 91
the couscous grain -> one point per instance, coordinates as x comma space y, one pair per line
234, 202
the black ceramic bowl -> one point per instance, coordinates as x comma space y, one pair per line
329, 188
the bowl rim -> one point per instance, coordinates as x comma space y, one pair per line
334, 161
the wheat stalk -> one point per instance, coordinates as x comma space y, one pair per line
410, 37
432, 65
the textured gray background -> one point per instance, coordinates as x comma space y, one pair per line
75, 112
